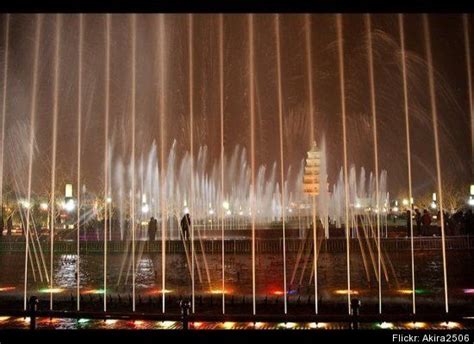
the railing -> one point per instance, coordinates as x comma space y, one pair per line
262, 245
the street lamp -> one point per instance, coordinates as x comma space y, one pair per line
226, 205
25, 204
69, 205
471, 196
433, 203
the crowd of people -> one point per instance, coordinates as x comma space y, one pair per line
458, 223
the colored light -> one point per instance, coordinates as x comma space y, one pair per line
219, 291
405, 291
83, 321
450, 324
4, 318
94, 291
228, 325
160, 291
469, 291
166, 324
259, 324
344, 292
416, 324
197, 324
277, 292
51, 290
138, 322
318, 325
44, 206
110, 321
385, 325
7, 288
290, 325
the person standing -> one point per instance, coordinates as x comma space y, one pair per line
426, 222
152, 227
418, 221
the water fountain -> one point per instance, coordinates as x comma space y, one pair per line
254, 232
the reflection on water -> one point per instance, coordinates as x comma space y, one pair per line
238, 276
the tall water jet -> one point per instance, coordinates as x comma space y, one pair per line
162, 159
407, 131
339, 25
4, 105
282, 161
106, 145
133, 114
252, 149
376, 154
79, 139
309, 72
434, 113
221, 109
191, 143
34, 91
53, 153
467, 45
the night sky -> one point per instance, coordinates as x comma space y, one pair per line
452, 94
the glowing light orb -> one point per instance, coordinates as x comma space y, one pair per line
69, 205
166, 324
385, 325
44, 206
318, 325
83, 321
416, 325
450, 324
344, 292
469, 291
219, 291
51, 290
197, 324
290, 325
94, 291
7, 288
228, 325
110, 321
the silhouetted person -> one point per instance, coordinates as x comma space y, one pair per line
185, 225
418, 221
152, 227
9, 225
426, 222
468, 220
409, 220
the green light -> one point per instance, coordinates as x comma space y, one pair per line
83, 321
422, 291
